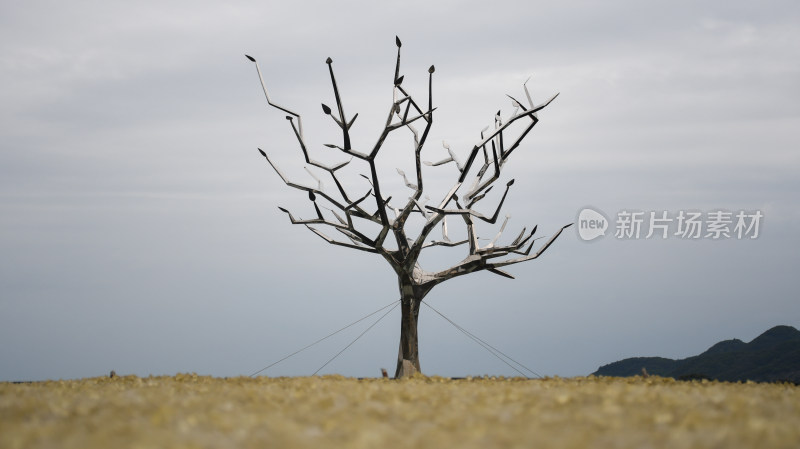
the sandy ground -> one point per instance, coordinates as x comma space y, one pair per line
190, 411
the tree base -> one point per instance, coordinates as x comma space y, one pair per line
407, 369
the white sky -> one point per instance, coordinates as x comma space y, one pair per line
139, 228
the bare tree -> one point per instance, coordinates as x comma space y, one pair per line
491, 154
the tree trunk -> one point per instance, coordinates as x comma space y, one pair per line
408, 355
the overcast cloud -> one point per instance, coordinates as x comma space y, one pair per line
139, 228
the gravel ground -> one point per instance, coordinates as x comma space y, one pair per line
190, 411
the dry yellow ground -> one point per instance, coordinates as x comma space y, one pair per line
189, 411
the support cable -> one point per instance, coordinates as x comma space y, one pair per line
359, 336
325, 337
494, 351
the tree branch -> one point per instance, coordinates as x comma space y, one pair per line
494, 146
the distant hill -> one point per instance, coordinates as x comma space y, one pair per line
772, 356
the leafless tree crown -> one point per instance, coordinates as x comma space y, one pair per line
485, 161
